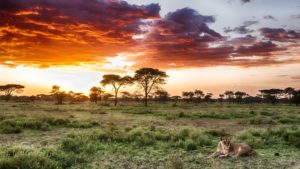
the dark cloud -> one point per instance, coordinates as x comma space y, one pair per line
270, 17
243, 29
245, 1
259, 49
183, 39
281, 35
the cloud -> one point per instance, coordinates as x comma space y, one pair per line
280, 34
62, 32
243, 29
184, 39
245, 1
270, 17
260, 48
295, 16
296, 77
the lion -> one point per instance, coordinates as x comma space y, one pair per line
226, 148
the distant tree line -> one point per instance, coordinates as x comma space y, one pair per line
149, 81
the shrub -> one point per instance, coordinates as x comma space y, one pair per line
190, 145
81, 124
28, 161
10, 126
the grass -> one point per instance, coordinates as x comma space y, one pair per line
162, 136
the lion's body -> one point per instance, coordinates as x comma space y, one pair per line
227, 149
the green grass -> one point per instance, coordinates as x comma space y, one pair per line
161, 136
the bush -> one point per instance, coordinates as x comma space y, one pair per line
190, 145
10, 126
28, 161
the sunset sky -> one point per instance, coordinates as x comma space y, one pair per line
214, 45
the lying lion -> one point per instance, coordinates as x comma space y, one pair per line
228, 149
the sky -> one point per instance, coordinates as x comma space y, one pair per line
209, 45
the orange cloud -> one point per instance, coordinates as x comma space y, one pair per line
63, 32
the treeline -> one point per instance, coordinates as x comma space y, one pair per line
149, 81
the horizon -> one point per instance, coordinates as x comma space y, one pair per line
200, 44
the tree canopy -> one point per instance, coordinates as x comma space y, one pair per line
148, 79
117, 82
9, 89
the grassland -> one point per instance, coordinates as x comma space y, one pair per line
129, 136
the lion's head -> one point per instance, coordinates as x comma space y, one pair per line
226, 144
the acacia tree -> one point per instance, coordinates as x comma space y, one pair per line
208, 97
271, 95
161, 95
58, 95
148, 79
199, 95
9, 89
289, 92
296, 97
188, 96
117, 82
229, 95
95, 94
221, 97
239, 96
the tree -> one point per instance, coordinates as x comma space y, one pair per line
239, 96
9, 89
126, 95
106, 97
271, 95
148, 79
161, 95
289, 92
188, 96
95, 94
199, 95
221, 97
208, 97
58, 95
296, 97
117, 82
229, 95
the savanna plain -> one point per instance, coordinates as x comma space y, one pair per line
130, 136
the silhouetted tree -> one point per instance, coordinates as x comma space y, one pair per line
208, 97
148, 79
137, 96
296, 97
107, 96
58, 95
9, 89
229, 95
175, 99
161, 95
289, 92
117, 82
199, 95
239, 96
126, 96
221, 97
95, 94
188, 96
271, 95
